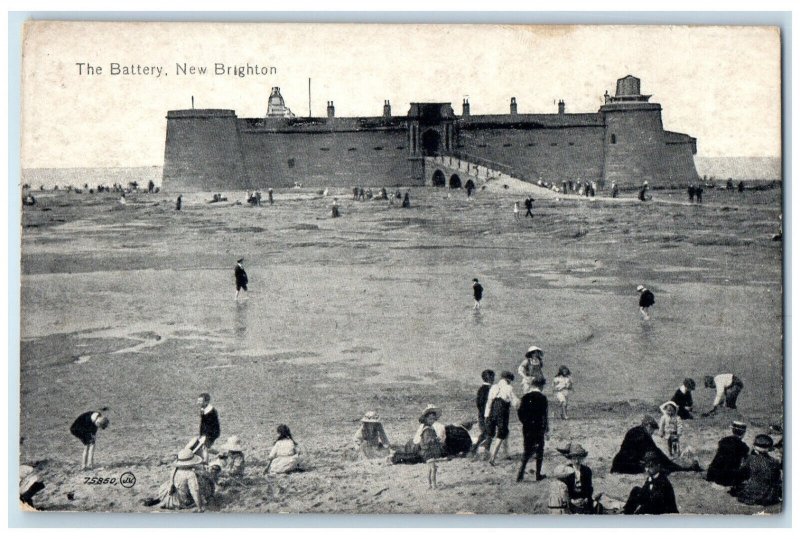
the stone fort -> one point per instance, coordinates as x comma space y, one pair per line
623, 142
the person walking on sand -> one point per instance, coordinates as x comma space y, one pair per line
563, 387
477, 293
241, 277
85, 428
498, 409
529, 207
209, 427
480, 400
727, 467
179, 203
335, 208
643, 192
516, 210
646, 300
406, 201
532, 414
269, 196
614, 190
728, 386
683, 398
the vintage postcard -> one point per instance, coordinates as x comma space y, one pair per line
370, 269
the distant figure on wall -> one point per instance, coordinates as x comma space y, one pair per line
646, 300
179, 203
406, 201
241, 277
643, 192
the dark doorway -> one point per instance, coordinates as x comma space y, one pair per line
455, 182
430, 142
438, 179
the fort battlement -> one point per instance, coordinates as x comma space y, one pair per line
623, 142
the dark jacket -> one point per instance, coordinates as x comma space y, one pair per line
457, 441
727, 467
646, 299
763, 485
655, 497
241, 275
636, 443
586, 489
477, 291
84, 428
684, 402
532, 413
481, 398
209, 426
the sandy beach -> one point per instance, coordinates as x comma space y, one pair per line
133, 308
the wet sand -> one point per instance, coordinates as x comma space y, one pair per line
134, 309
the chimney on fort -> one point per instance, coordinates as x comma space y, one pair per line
561, 106
387, 109
513, 106
331, 110
465, 108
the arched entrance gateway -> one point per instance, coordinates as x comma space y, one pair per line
438, 179
455, 182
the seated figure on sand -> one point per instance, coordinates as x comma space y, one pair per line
189, 485
411, 452
727, 468
571, 490
285, 454
764, 484
370, 438
637, 443
231, 457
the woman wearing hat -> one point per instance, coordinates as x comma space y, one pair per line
727, 468
531, 366
764, 484
577, 480
370, 437
185, 489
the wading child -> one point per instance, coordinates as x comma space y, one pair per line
562, 384
84, 428
671, 427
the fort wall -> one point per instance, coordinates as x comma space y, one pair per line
552, 154
203, 151
375, 158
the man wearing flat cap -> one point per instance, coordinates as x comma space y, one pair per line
727, 468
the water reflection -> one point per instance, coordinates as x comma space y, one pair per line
240, 320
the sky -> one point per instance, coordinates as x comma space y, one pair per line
716, 83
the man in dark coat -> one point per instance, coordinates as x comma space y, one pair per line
477, 293
683, 398
480, 400
532, 414
763, 485
646, 300
528, 207
578, 482
241, 277
209, 426
656, 496
727, 467
637, 443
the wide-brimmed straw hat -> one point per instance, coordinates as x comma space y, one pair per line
640, 288
532, 350
233, 443
430, 409
572, 450
371, 417
187, 459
